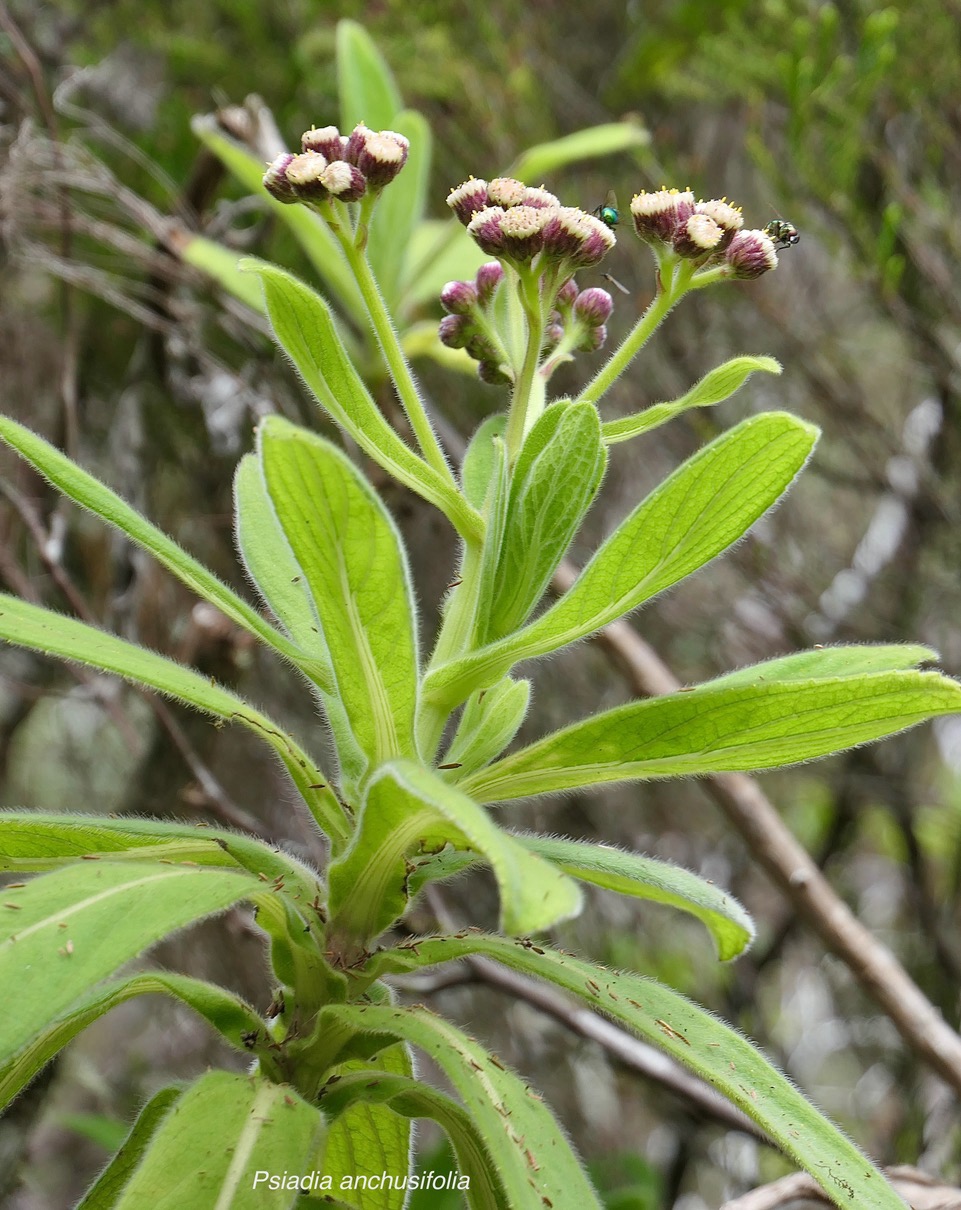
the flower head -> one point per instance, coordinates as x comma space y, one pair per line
697, 237
749, 254
379, 154
658, 216
276, 182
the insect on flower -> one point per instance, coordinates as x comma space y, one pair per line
609, 214
783, 233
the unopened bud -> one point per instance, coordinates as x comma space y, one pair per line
487, 279
468, 199
304, 173
593, 306
276, 182
459, 297
327, 140
492, 373
455, 331
592, 339
697, 237
344, 181
750, 254
379, 155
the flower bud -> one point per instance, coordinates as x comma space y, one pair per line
553, 334
487, 279
505, 191
658, 215
344, 181
455, 331
750, 254
729, 218
327, 140
539, 198
491, 373
379, 155
697, 237
275, 180
597, 242
592, 339
485, 227
459, 297
593, 306
304, 173
468, 199
522, 228
567, 296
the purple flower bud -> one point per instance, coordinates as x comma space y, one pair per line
459, 297
750, 254
480, 348
275, 180
468, 199
304, 173
593, 306
327, 140
540, 198
564, 232
492, 373
487, 279
485, 227
566, 296
379, 155
598, 241
455, 331
658, 215
697, 237
522, 230
344, 181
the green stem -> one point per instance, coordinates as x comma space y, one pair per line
518, 418
661, 304
400, 371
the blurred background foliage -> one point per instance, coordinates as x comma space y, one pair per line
843, 118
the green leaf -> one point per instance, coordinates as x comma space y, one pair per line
236, 1021
105, 1191
365, 1137
366, 86
527, 1150
275, 572
43, 630
408, 811
647, 878
823, 662
355, 566
413, 1099
613, 138
221, 264
480, 460
304, 326
557, 474
400, 209
715, 387
34, 841
310, 231
489, 723
714, 730
221, 1142
699, 511
281, 581
91, 494
73, 927
694, 1038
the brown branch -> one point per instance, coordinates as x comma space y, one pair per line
798, 1191
791, 868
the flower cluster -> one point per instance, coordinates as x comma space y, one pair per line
332, 165
707, 233
517, 224
468, 322
579, 323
